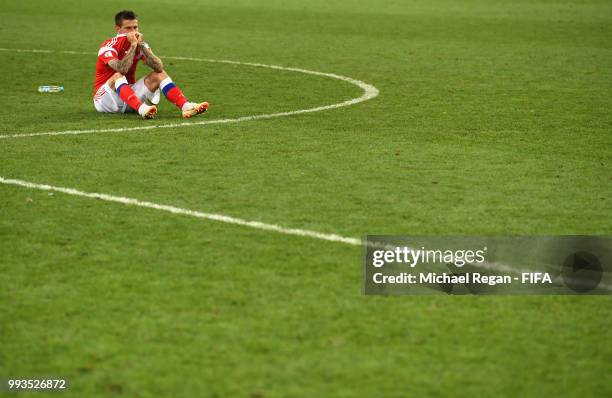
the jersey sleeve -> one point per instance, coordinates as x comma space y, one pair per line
107, 53
110, 49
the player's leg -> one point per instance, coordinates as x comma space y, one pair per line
106, 100
161, 80
120, 85
144, 94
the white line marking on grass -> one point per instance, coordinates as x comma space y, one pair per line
237, 221
369, 92
186, 212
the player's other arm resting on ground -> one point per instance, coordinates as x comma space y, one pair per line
123, 66
150, 59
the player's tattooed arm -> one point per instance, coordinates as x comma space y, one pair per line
150, 59
123, 66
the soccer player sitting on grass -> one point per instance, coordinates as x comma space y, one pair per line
116, 89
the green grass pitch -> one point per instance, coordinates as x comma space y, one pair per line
494, 117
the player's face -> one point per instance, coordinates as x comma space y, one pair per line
127, 26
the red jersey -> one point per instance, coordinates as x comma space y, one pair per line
114, 48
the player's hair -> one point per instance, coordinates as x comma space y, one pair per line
124, 14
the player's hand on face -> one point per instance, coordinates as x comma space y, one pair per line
140, 39
132, 38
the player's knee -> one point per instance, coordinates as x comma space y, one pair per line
116, 76
113, 79
158, 76
154, 79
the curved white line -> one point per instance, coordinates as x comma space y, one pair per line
369, 92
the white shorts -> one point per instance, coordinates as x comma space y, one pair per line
107, 100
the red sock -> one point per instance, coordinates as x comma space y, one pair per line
128, 96
175, 95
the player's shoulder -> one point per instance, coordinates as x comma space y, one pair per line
114, 45
115, 42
